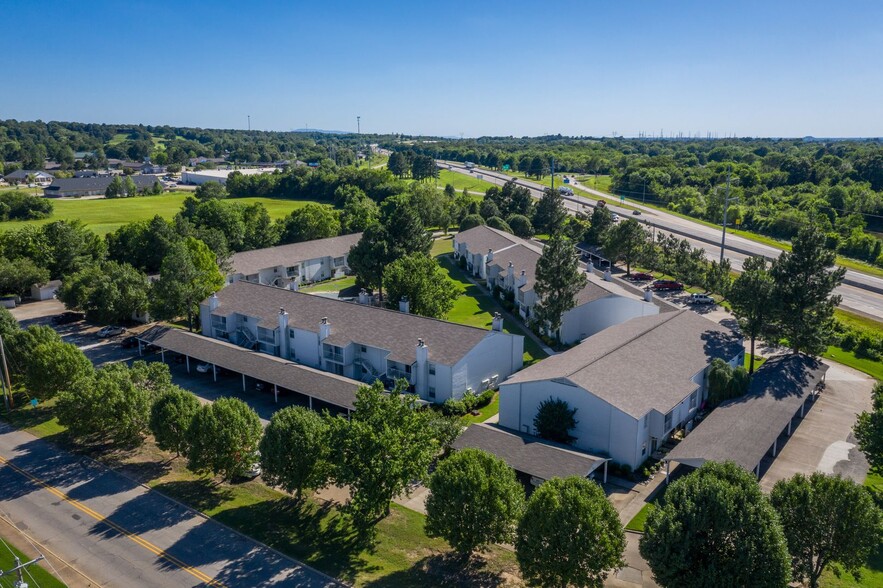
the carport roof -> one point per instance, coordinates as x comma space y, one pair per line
528, 454
329, 388
742, 430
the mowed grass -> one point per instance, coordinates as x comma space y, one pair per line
873, 368
104, 216
35, 575
484, 413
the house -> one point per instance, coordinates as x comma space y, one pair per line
631, 384
219, 175
288, 266
507, 264
152, 168
45, 291
25, 176
93, 186
194, 161
439, 359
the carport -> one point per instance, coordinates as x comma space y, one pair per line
535, 460
321, 388
743, 430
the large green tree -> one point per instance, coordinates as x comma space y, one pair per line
419, 278
869, 429
359, 212
313, 221
474, 501
625, 242
295, 450
189, 274
554, 420
550, 214
8, 324
716, 528
751, 297
18, 275
170, 418
804, 284
570, 535
54, 367
385, 445
108, 293
828, 521
369, 257
558, 281
599, 223
223, 438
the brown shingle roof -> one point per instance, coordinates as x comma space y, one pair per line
328, 387
642, 364
528, 454
354, 323
250, 262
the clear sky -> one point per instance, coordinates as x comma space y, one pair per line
761, 68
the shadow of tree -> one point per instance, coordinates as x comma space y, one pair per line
203, 495
444, 569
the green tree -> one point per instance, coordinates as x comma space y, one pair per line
369, 257
717, 277
471, 221
828, 521
520, 225
398, 164
130, 190
108, 293
313, 221
68, 246
625, 242
600, 223
114, 188
555, 420
295, 450
405, 230
386, 444
570, 535
550, 214
804, 282
499, 224
474, 501
54, 367
260, 231
751, 297
210, 191
8, 324
170, 418
18, 275
869, 429
429, 290
189, 274
558, 281
538, 168
223, 438
716, 528
359, 213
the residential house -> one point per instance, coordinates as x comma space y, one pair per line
92, 186
632, 384
24, 176
439, 359
288, 266
508, 263
152, 168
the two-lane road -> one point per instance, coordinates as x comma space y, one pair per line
861, 292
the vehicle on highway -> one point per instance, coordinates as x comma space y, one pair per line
700, 299
636, 212
614, 217
667, 285
203, 368
66, 318
110, 331
129, 342
640, 277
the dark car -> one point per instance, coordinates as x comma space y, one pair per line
66, 318
640, 277
129, 342
667, 285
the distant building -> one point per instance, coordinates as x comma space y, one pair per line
45, 291
152, 168
92, 186
219, 175
20, 176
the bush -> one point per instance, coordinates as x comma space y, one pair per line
469, 402
471, 221
848, 340
867, 347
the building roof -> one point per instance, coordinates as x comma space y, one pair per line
94, 184
353, 323
642, 364
523, 257
743, 429
49, 284
223, 173
22, 174
324, 386
528, 454
249, 262
481, 238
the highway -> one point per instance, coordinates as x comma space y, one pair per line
861, 293
120, 533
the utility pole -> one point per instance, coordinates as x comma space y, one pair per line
644, 193
20, 583
249, 123
726, 206
359, 126
553, 174
4, 377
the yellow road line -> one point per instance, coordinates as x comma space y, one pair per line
201, 576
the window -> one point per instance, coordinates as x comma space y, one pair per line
431, 392
292, 270
407, 369
338, 261
363, 349
644, 448
668, 419
694, 397
431, 369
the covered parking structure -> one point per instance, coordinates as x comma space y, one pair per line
534, 460
743, 430
322, 389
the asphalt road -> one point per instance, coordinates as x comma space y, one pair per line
861, 293
120, 533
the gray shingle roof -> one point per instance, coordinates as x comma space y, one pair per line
95, 183
324, 386
743, 429
528, 454
354, 323
250, 262
481, 238
642, 364
22, 174
523, 257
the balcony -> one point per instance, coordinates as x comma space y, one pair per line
396, 374
334, 356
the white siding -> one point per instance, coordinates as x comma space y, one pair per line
494, 355
590, 318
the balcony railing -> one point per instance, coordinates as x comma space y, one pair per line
396, 374
333, 356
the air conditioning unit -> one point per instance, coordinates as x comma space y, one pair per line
485, 384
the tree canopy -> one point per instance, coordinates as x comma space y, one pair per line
427, 287
558, 281
223, 438
295, 450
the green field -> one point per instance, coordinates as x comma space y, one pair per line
461, 181
35, 576
104, 216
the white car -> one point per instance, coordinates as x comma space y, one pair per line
614, 217
110, 331
203, 368
700, 299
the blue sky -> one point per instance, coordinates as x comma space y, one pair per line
477, 68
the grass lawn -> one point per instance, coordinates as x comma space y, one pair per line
857, 321
484, 413
104, 216
758, 361
602, 183
315, 532
638, 521
331, 285
35, 576
460, 181
869, 366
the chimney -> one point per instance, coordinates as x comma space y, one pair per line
490, 255
324, 329
404, 305
608, 277
510, 271
497, 322
590, 267
213, 301
522, 279
283, 333
648, 295
294, 285
363, 296
421, 375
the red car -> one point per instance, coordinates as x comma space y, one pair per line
668, 285
640, 277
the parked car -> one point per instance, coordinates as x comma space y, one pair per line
700, 299
667, 285
640, 277
110, 331
614, 217
203, 368
66, 318
129, 342
255, 469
